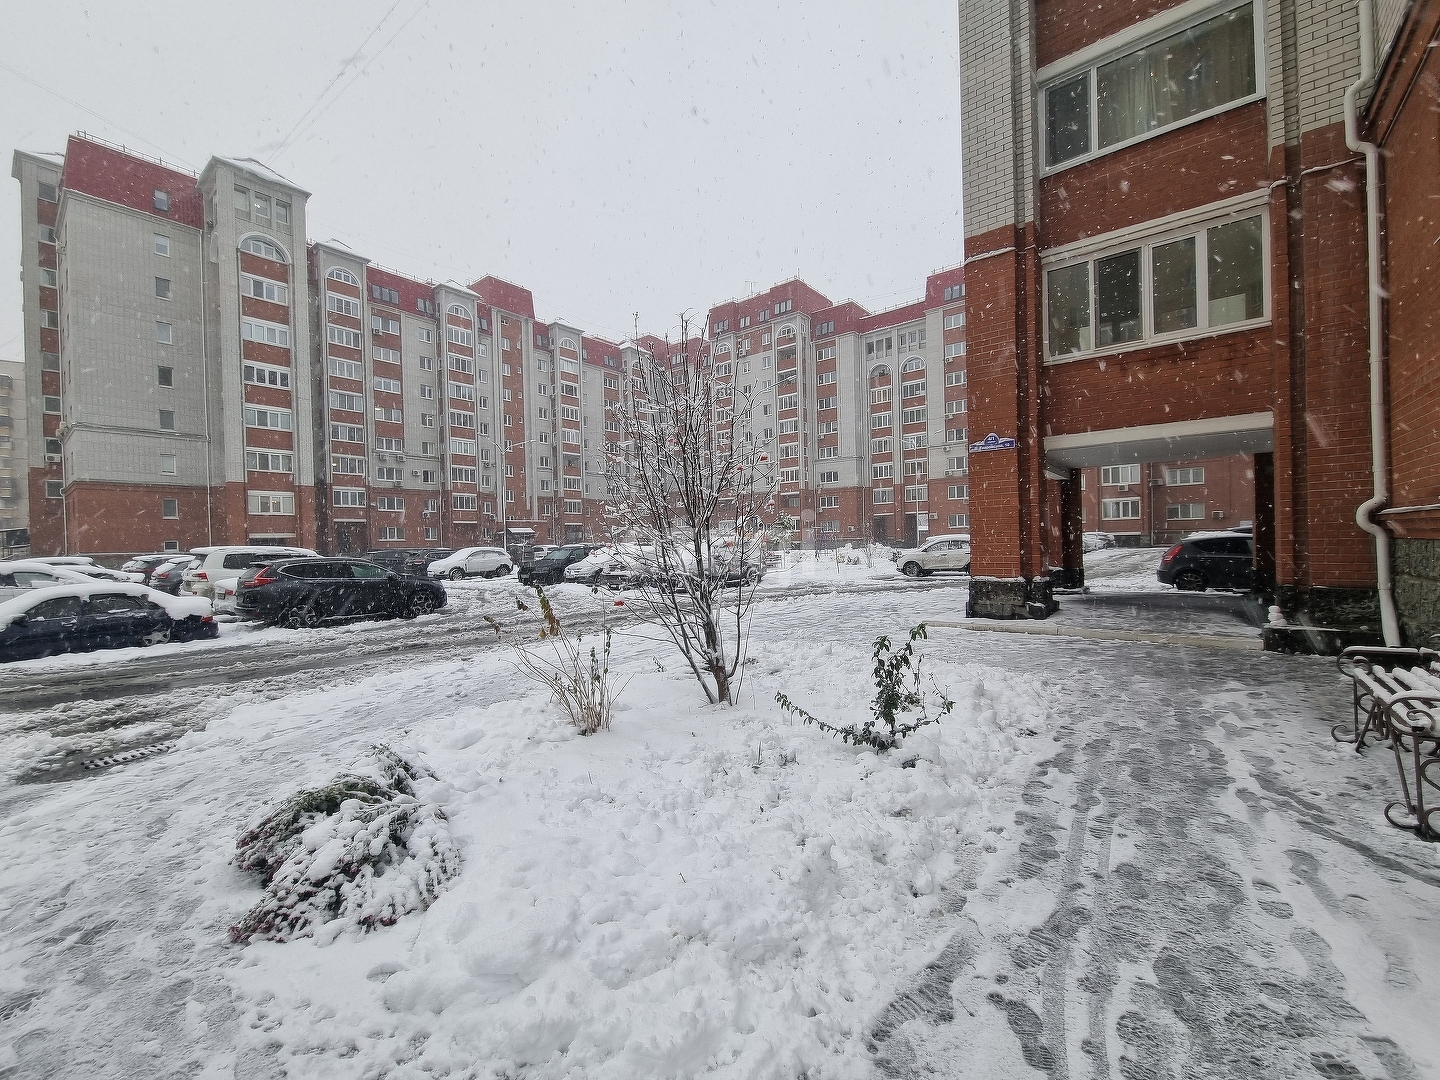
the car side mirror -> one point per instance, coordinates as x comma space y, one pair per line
20, 620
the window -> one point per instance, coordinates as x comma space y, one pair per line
825, 378
383, 324
827, 452
959, 521
788, 401
1113, 475
425, 334
784, 307
882, 472
1119, 509
269, 461
343, 465
340, 335
954, 349
160, 199
339, 399
167, 464
167, 420
342, 305
264, 289
1181, 299
470, 502
913, 416
346, 369
164, 333
272, 333
956, 407
389, 416
882, 495
957, 491
262, 207
170, 508
915, 494
389, 472
162, 245
52, 404
915, 467
51, 319
917, 442
462, 419
341, 274
392, 503
880, 420
272, 502
1185, 512
347, 433
957, 464
387, 386
1192, 475
790, 450
789, 427
1191, 73
462, 474
48, 278
955, 321
278, 419
54, 489
164, 376
879, 395
263, 248
913, 389
955, 378
427, 363
789, 476
349, 496
391, 532
459, 335
282, 213
461, 363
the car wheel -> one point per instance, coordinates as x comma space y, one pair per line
911, 570
1190, 581
458, 574
965, 569
303, 618
752, 576
153, 637
502, 571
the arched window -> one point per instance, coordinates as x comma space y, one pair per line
915, 363
785, 331
724, 346
263, 248
879, 371
459, 309
568, 343
341, 274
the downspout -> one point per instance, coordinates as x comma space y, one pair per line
1379, 447
205, 380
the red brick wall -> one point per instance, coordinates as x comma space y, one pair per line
109, 517
1064, 26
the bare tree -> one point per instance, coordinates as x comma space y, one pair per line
691, 491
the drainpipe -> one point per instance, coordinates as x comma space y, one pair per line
1379, 448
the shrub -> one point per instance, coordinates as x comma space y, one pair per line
582, 683
900, 707
363, 848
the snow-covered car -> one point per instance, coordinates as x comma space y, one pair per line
489, 562
588, 570
938, 553
168, 577
20, 575
1094, 541
219, 563
145, 565
83, 564
81, 616
223, 595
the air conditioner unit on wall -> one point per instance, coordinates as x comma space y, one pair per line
1123, 488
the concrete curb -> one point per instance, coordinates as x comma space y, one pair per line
1040, 629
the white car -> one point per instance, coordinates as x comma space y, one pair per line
938, 553
588, 570
17, 575
220, 563
83, 564
487, 562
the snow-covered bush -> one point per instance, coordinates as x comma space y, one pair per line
584, 685
364, 849
900, 706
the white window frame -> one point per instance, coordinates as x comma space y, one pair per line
1189, 224
256, 374
274, 419
1118, 475
1119, 506
348, 497
250, 327
264, 503
1131, 40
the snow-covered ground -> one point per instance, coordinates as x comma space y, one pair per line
1108, 861
1124, 569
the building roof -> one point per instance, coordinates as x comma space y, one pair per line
505, 295
409, 289
261, 170
118, 176
882, 320
596, 349
846, 316
805, 299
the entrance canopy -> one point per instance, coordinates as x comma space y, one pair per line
1189, 440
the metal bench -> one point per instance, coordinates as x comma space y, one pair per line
1398, 691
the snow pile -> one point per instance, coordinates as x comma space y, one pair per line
362, 850
700, 890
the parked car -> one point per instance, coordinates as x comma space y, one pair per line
78, 617
145, 565
396, 559
306, 592
1221, 560
1246, 527
216, 563
587, 571
551, 569
20, 575
938, 553
168, 577
487, 562
1095, 541
419, 562
85, 565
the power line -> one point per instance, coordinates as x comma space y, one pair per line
338, 75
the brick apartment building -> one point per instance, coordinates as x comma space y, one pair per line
1160, 502
14, 496
204, 374
1166, 258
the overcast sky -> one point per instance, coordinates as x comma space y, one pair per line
613, 157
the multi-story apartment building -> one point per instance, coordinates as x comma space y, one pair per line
1158, 502
1166, 237
865, 413
14, 488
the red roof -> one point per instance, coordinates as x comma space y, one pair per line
893, 317
596, 349
846, 316
938, 282
516, 299
118, 177
409, 289
804, 298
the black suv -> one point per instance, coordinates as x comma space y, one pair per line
392, 559
305, 592
551, 569
1209, 561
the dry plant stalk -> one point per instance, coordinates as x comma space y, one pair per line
581, 682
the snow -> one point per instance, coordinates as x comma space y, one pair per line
1124, 569
177, 607
1128, 857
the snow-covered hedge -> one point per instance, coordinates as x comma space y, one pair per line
361, 851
